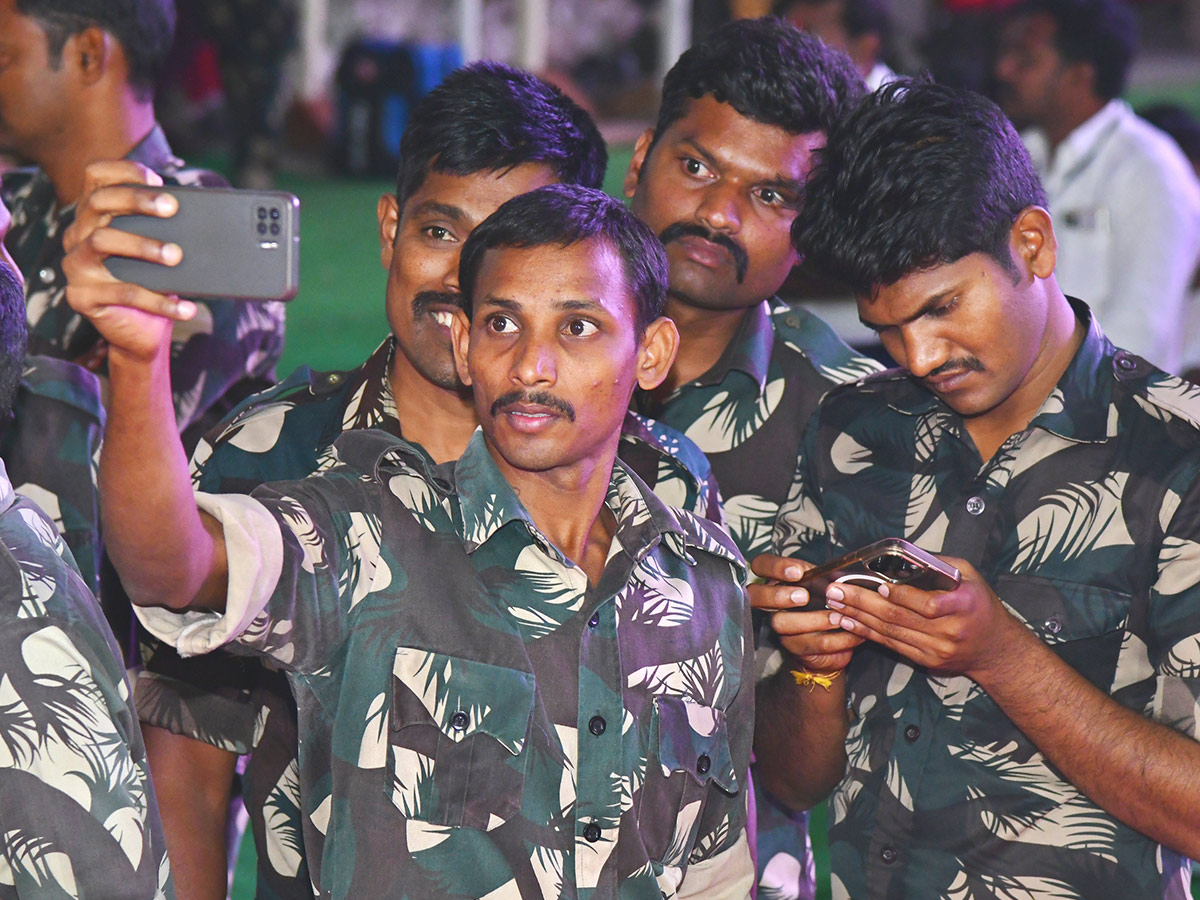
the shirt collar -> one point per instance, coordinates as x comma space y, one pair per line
154, 152
1076, 409
749, 351
487, 504
1080, 143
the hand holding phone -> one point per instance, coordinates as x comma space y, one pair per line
889, 561
237, 244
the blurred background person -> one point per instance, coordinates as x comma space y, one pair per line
860, 28
1125, 200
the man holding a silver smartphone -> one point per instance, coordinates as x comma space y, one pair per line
1032, 732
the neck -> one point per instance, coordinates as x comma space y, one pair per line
1063, 335
1072, 117
102, 130
704, 334
567, 506
440, 420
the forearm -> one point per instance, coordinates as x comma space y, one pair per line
1144, 774
800, 738
166, 552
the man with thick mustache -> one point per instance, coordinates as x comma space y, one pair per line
519, 674
718, 178
487, 133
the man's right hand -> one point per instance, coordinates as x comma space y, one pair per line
815, 639
135, 322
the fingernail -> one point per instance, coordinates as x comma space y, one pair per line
835, 593
884, 590
165, 204
835, 619
848, 624
836, 604
799, 597
172, 254
185, 309
793, 573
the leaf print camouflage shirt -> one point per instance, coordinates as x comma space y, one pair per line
78, 816
1087, 526
228, 350
476, 719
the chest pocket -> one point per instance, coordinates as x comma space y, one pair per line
456, 745
1087, 237
689, 756
1082, 623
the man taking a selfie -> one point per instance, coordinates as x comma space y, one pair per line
519, 673
1032, 732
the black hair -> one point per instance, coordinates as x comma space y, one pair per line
492, 117
769, 71
565, 215
143, 28
1177, 122
12, 337
1100, 32
918, 175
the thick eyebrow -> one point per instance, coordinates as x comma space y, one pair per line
440, 209
925, 307
504, 303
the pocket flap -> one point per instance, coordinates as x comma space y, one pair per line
692, 738
462, 697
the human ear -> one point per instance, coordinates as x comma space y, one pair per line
634, 172
656, 353
460, 337
388, 211
1033, 241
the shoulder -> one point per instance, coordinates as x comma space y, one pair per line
63, 382
1142, 151
320, 393
807, 334
1158, 397
668, 443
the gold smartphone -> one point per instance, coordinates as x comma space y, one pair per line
890, 561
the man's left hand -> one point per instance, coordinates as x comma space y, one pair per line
965, 631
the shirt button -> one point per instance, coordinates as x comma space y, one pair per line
334, 377
597, 725
975, 505
888, 855
47, 275
1054, 626
791, 321
459, 720
591, 831
703, 764
911, 733
594, 620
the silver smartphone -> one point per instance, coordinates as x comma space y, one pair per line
889, 561
238, 244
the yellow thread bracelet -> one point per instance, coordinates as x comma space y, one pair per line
812, 679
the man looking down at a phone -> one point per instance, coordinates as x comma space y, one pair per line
519, 674
1033, 732
486, 134
77, 85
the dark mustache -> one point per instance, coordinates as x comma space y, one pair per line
541, 398
426, 299
679, 230
970, 364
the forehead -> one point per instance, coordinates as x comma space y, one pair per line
543, 278
474, 197
756, 149
895, 303
1030, 32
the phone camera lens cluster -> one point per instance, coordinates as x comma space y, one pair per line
265, 213
893, 567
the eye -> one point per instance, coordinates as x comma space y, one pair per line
501, 324
581, 328
945, 309
694, 167
437, 233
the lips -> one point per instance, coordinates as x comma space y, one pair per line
704, 252
946, 382
530, 418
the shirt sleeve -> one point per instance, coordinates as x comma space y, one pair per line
77, 810
1175, 616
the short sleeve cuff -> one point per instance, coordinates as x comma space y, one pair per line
254, 550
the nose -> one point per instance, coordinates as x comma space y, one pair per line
535, 362
450, 276
719, 208
922, 351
